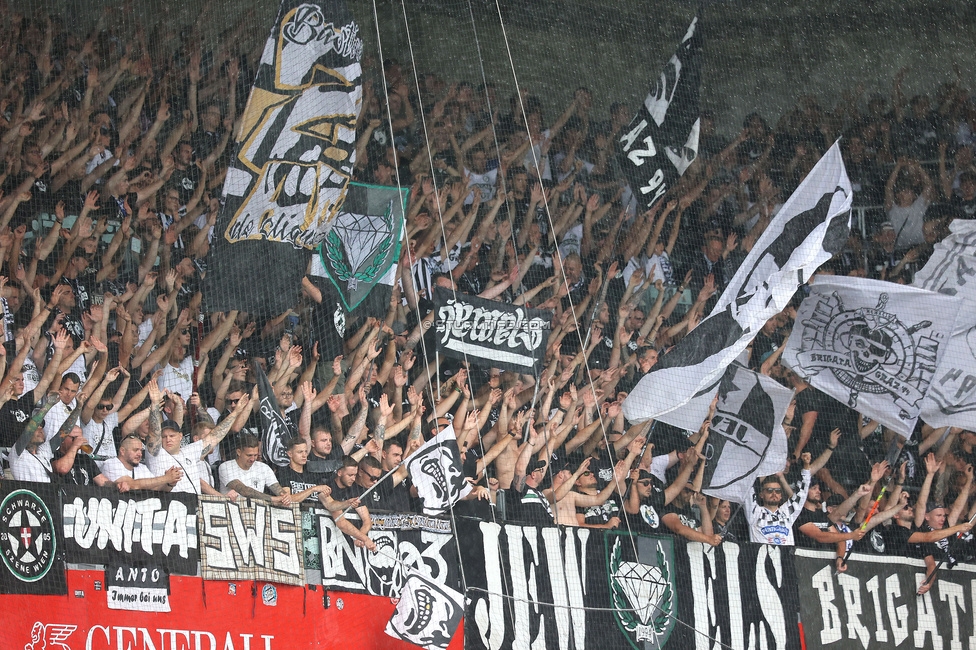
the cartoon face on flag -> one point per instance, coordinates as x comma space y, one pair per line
427, 614
435, 470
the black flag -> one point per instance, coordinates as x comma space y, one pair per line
296, 149
662, 140
275, 428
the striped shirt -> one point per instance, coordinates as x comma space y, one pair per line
776, 527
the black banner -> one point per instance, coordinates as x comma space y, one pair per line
137, 589
662, 139
405, 544
873, 604
295, 156
136, 528
578, 588
30, 539
490, 333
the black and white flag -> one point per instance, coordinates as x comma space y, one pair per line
746, 438
295, 153
662, 139
812, 225
872, 345
427, 614
275, 428
951, 400
435, 470
490, 333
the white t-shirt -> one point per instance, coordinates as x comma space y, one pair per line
178, 379
486, 183
28, 467
187, 459
113, 470
908, 222
52, 423
257, 478
99, 436
32, 376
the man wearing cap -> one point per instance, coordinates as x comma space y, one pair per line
929, 539
649, 495
128, 473
72, 465
164, 444
683, 521
771, 520
27, 463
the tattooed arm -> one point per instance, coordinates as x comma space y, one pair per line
212, 439
155, 439
34, 423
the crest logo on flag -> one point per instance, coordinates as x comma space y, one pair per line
870, 350
642, 590
27, 536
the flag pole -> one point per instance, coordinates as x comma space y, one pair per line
931, 577
893, 452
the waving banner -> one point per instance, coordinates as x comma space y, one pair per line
134, 529
662, 139
490, 333
747, 438
296, 149
872, 345
951, 400
435, 470
275, 427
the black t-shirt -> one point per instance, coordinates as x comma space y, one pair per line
13, 418
648, 519
389, 497
896, 540
819, 519
83, 472
185, 181
686, 515
602, 514
938, 550
319, 465
831, 415
299, 482
529, 505
343, 494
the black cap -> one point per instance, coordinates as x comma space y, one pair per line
533, 465
171, 424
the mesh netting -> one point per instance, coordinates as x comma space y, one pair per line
594, 324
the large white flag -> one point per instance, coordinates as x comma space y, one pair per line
811, 227
873, 345
435, 470
746, 438
951, 400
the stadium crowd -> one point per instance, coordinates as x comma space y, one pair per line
114, 158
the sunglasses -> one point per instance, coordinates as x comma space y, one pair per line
774, 490
233, 401
373, 478
104, 407
645, 483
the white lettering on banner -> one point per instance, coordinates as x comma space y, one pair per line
851, 588
563, 562
925, 617
897, 614
735, 605
823, 583
880, 633
224, 521
128, 523
637, 156
772, 607
130, 638
955, 599
462, 320
628, 139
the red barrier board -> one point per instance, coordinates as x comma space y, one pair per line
211, 615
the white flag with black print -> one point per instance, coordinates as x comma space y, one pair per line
951, 400
746, 437
435, 470
873, 345
427, 614
661, 141
809, 229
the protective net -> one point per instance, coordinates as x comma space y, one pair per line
487, 324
